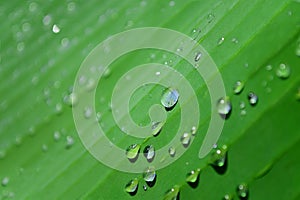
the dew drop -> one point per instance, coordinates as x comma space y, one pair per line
149, 153
71, 6
44, 148
192, 176
253, 98
172, 194
224, 107
221, 40
55, 29
149, 174
238, 87
210, 17
107, 73
47, 20
218, 156
5, 181
234, 40
132, 185
169, 98
269, 67
242, 105
156, 128
172, 3
243, 191
145, 187
193, 130
87, 112
185, 139
132, 152
283, 71
56, 135
172, 151
58, 108
70, 142
227, 197
198, 56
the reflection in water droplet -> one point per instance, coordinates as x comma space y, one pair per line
198, 56
132, 151
169, 98
172, 194
224, 107
238, 87
185, 139
149, 174
5, 181
253, 98
132, 186
192, 176
242, 191
172, 151
283, 71
149, 153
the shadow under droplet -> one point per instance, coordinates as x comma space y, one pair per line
171, 108
225, 116
194, 184
133, 160
133, 193
221, 170
151, 183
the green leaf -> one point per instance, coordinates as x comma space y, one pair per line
43, 45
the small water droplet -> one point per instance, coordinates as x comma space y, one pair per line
172, 151
149, 174
71, 99
283, 71
145, 187
218, 156
32, 7
5, 181
238, 87
56, 135
55, 29
70, 142
269, 67
44, 148
227, 197
210, 17
221, 40
198, 56
87, 112
243, 191
2, 154
193, 130
169, 98
107, 73
185, 139
58, 108
234, 40
192, 176
172, 194
132, 186
47, 20
172, 3
156, 127
149, 153
132, 152
71, 6
224, 107
253, 98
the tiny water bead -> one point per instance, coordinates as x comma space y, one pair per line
221, 40
238, 87
70, 142
283, 71
56, 135
145, 187
218, 156
5, 181
55, 29
149, 174
173, 193
132, 186
169, 98
185, 139
156, 127
193, 130
198, 56
227, 197
132, 151
224, 107
192, 176
253, 98
172, 151
149, 153
243, 191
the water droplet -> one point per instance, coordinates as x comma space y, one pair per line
283, 71
269, 67
65, 42
87, 112
149, 174
70, 142
218, 156
198, 56
5, 181
71, 99
193, 130
132, 152
156, 127
242, 105
47, 20
149, 153
71, 6
145, 187
169, 98
185, 139
224, 107
107, 73
20, 46
32, 6
172, 194
242, 191
253, 98
298, 94
221, 40
44, 148
238, 87
172, 3
132, 185
56, 135
227, 197
2, 154
172, 151
210, 17
192, 176
55, 29
234, 40
58, 108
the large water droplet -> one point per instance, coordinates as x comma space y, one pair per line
283, 71
192, 176
149, 153
185, 139
253, 98
243, 191
169, 98
156, 127
132, 185
132, 152
218, 156
224, 107
149, 174
238, 87
172, 151
172, 194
